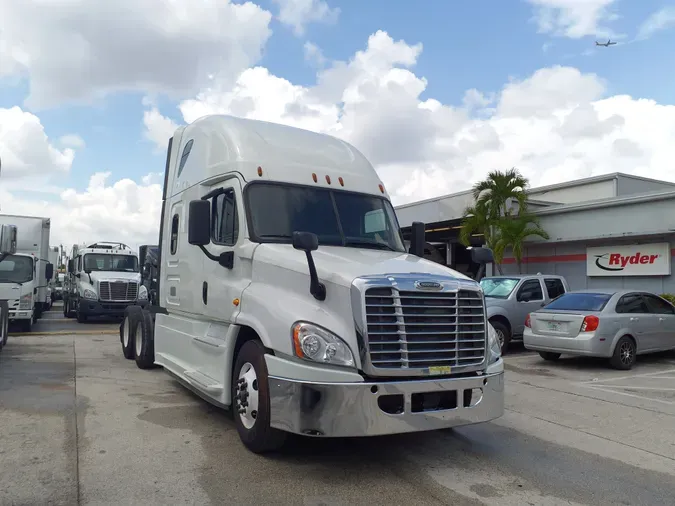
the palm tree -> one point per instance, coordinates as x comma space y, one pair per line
498, 189
513, 231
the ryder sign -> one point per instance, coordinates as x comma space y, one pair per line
634, 260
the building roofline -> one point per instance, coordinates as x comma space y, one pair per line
607, 202
551, 187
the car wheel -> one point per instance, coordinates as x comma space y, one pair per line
549, 355
624, 355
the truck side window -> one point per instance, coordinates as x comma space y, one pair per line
174, 234
531, 288
554, 287
224, 219
184, 156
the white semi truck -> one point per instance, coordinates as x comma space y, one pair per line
104, 280
8, 237
25, 275
286, 294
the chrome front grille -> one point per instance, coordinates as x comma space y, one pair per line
118, 291
418, 330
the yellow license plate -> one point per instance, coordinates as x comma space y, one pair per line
441, 369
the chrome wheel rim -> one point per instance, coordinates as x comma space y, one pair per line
500, 337
246, 395
138, 339
626, 353
125, 332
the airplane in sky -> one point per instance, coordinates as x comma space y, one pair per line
605, 44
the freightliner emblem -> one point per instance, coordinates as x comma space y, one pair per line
431, 286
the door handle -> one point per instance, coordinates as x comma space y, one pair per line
205, 292
634, 319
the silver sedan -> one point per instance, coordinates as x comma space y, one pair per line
616, 324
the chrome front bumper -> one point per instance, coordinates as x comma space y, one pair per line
358, 409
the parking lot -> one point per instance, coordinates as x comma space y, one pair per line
79, 424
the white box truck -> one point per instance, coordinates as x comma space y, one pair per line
286, 293
25, 275
8, 238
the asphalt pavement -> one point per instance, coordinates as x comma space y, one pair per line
79, 424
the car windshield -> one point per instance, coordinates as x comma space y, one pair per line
580, 302
337, 218
499, 288
107, 262
16, 269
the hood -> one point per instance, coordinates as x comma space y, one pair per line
12, 291
340, 265
112, 276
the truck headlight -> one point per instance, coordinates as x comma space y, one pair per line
90, 294
26, 301
495, 349
312, 342
142, 293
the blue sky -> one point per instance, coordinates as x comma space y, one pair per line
482, 45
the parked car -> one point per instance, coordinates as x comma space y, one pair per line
509, 299
616, 324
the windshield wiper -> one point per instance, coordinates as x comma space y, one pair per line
368, 244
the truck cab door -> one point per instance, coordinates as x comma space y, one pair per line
224, 282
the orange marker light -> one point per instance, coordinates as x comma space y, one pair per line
342, 181
260, 171
328, 179
314, 177
235, 302
381, 187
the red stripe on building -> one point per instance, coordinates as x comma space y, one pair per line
581, 257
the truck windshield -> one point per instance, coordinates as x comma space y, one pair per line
338, 218
16, 269
499, 288
107, 262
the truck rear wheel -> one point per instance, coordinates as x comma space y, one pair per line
4, 323
128, 328
251, 400
144, 342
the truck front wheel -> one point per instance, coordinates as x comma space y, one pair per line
251, 400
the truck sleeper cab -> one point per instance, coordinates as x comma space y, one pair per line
286, 293
104, 280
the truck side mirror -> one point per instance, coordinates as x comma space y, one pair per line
482, 255
49, 272
417, 239
199, 223
7, 239
70, 266
305, 241
308, 242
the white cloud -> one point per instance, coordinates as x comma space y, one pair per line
299, 13
72, 141
25, 150
158, 128
658, 21
79, 50
554, 125
313, 54
573, 18
122, 211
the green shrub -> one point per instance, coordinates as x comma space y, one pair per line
669, 297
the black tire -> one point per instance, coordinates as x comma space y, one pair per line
81, 317
132, 315
144, 342
505, 332
259, 437
625, 354
27, 325
66, 311
549, 355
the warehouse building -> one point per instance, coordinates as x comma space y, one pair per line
611, 231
